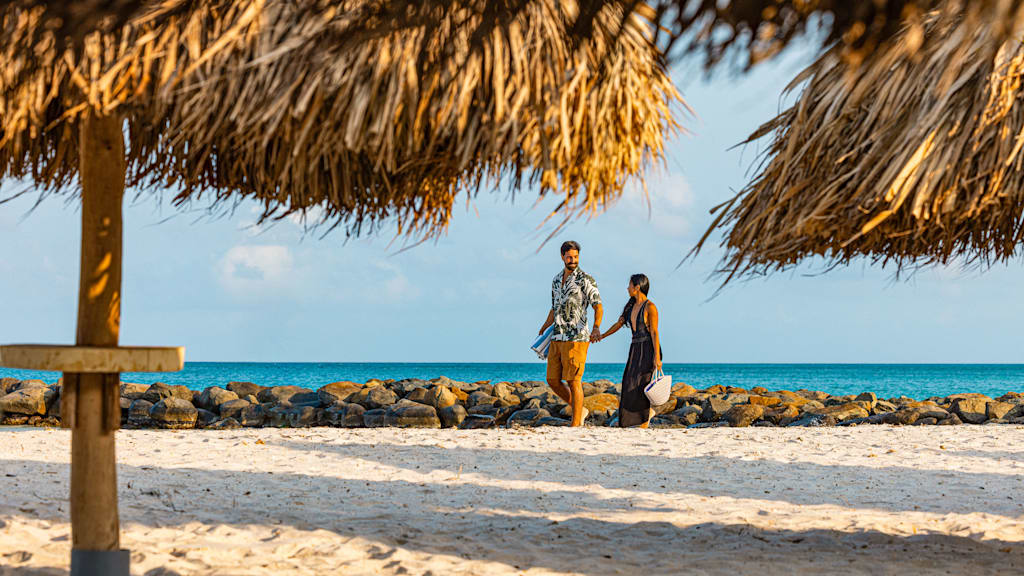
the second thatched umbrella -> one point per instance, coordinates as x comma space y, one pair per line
913, 160
279, 102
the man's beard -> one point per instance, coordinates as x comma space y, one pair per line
571, 267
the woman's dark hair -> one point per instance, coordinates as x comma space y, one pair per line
570, 245
641, 282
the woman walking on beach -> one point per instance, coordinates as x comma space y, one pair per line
641, 315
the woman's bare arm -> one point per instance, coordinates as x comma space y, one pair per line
615, 328
652, 327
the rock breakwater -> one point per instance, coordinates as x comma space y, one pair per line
446, 403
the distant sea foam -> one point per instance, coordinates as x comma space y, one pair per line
917, 381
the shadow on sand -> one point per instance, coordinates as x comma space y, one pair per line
522, 533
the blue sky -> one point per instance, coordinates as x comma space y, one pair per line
231, 292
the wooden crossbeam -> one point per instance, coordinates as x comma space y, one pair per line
93, 359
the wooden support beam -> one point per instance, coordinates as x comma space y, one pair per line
101, 155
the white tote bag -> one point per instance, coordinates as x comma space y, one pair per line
659, 388
541, 344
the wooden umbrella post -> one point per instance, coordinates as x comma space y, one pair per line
91, 399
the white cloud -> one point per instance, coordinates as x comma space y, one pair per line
666, 210
395, 285
310, 218
254, 270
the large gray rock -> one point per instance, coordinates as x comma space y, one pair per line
253, 416
345, 415
714, 408
409, 414
28, 401
477, 422
159, 391
844, 411
743, 415
278, 394
552, 421
281, 416
374, 418
508, 401
484, 387
244, 389
7, 385
211, 398
133, 391
138, 412
527, 417
233, 408
971, 409
868, 397
685, 416
484, 409
421, 396
1012, 398
307, 398
29, 384
404, 387
225, 424
478, 398
442, 397
205, 418
452, 416
503, 390
336, 392
815, 420
995, 409
531, 404
174, 413
882, 406
374, 398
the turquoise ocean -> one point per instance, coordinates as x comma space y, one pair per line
917, 381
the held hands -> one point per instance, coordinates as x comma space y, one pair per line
596, 336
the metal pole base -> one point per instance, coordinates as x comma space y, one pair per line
99, 562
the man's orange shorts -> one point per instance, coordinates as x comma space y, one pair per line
566, 360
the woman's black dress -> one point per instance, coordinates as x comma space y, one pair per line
633, 403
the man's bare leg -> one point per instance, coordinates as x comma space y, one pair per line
561, 391
576, 402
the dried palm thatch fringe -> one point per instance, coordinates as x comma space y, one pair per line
915, 161
759, 29
275, 100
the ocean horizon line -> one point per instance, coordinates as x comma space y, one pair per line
511, 362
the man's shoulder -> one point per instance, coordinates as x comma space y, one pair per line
587, 277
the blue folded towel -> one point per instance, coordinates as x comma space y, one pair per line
541, 344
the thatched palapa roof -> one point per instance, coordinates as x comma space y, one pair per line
914, 160
291, 104
758, 29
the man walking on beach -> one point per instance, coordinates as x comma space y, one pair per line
572, 292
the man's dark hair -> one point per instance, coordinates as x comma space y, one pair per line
570, 245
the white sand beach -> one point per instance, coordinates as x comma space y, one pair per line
874, 499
